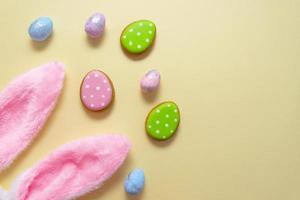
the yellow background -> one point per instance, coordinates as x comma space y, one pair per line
232, 66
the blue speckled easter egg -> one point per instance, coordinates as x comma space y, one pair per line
40, 29
134, 182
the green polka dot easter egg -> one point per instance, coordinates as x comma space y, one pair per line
138, 36
163, 121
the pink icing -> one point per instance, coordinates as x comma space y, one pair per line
96, 91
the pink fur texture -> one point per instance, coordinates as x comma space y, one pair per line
73, 170
25, 105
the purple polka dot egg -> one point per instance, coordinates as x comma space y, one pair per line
95, 25
150, 81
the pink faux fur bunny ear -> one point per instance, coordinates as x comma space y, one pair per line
25, 105
73, 170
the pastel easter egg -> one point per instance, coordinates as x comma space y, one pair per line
95, 25
97, 91
150, 81
40, 29
135, 182
138, 36
163, 121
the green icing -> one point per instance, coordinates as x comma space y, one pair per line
163, 121
138, 36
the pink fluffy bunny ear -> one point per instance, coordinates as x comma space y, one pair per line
25, 105
73, 170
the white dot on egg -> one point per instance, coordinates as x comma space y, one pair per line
139, 46
150, 24
166, 125
124, 36
102, 104
138, 33
103, 96
130, 43
175, 120
87, 86
98, 88
147, 40
150, 32
164, 137
175, 110
158, 111
141, 24
92, 105
169, 105
92, 96
84, 97
88, 77
149, 126
104, 81
108, 89
157, 131
167, 116
157, 122
96, 75
130, 30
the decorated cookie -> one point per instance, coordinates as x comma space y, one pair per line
163, 120
135, 182
40, 29
94, 26
150, 81
97, 91
138, 36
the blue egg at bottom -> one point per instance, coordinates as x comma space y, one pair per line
40, 29
134, 182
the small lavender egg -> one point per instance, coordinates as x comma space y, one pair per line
150, 81
135, 182
94, 26
40, 29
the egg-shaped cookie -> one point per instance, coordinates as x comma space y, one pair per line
138, 36
163, 120
97, 91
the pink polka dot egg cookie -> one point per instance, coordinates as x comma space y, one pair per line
97, 91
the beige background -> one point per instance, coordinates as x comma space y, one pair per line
232, 66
